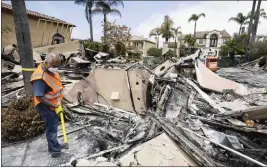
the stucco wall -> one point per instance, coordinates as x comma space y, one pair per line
36, 33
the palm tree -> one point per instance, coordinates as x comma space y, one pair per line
24, 42
166, 28
88, 13
195, 18
155, 32
260, 13
240, 19
176, 34
233, 46
104, 7
249, 28
190, 40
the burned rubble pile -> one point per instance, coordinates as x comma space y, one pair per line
259, 65
20, 121
106, 128
178, 114
215, 126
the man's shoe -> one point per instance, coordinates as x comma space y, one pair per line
55, 154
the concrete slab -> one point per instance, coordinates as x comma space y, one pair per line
211, 81
13, 155
160, 151
36, 152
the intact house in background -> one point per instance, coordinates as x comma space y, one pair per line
141, 44
45, 30
206, 39
261, 37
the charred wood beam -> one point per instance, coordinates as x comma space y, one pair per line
73, 131
165, 80
205, 96
10, 60
201, 157
130, 90
100, 113
249, 144
253, 113
255, 152
246, 130
103, 152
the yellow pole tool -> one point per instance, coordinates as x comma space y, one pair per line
59, 111
64, 130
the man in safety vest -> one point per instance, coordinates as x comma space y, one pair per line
48, 94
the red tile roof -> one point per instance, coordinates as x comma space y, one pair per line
36, 14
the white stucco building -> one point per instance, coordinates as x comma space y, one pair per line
210, 39
141, 44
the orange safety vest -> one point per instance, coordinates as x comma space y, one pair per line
56, 95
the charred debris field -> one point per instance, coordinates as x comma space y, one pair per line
179, 112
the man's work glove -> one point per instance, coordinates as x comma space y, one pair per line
59, 109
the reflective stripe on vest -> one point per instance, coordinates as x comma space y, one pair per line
56, 94
53, 96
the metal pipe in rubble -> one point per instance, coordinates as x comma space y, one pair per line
226, 148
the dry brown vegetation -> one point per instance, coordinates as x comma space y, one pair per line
20, 121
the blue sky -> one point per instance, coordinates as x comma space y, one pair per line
142, 16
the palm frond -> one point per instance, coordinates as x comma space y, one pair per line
90, 3
115, 3
201, 14
103, 4
80, 2
263, 14
114, 12
87, 13
155, 32
234, 19
97, 11
193, 18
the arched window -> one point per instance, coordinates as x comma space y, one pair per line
57, 39
213, 40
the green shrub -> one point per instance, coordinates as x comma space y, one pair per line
106, 48
120, 49
134, 54
257, 50
156, 52
97, 46
170, 53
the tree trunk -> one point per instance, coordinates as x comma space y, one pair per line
195, 29
158, 41
91, 24
240, 29
23, 41
256, 22
105, 28
249, 29
232, 57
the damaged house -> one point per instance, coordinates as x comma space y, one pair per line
43, 28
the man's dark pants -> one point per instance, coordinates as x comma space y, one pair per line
50, 119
